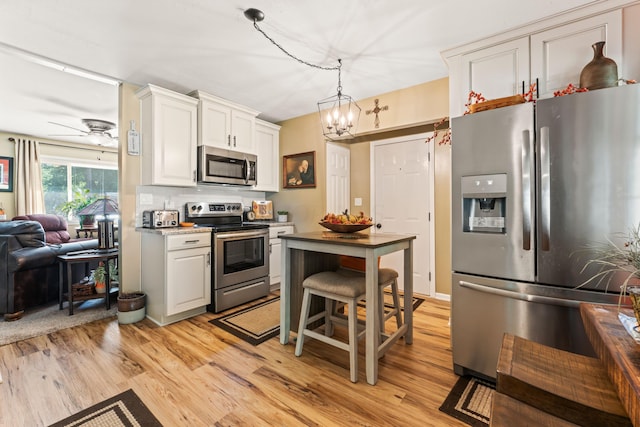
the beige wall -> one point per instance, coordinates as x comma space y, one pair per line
129, 177
305, 205
427, 102
442, 218
7, 199
361, 177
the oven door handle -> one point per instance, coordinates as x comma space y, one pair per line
225, 235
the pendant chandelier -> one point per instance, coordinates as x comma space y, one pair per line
339, 114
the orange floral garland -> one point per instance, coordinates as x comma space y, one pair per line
476, 97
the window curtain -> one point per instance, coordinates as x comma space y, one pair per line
28, 188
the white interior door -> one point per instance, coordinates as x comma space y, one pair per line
402, 193
338, 182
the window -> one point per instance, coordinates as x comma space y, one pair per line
62, 178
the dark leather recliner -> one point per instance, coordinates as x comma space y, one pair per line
29, 271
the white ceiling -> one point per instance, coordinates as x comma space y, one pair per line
209, 45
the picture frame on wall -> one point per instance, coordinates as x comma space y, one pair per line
6, 174
299, 170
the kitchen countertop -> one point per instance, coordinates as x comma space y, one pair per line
186, 230
174, 230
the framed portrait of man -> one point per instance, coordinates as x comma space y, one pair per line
299, 170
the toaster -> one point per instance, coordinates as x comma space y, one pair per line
160, 218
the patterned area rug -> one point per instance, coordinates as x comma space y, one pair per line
261, 321
254, 324
470, 401
125, 409
388, 300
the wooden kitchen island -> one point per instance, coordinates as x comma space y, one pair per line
304, 254
618, 351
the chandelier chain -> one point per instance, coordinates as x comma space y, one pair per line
341, 111
337, 67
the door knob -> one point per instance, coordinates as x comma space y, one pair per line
378, 226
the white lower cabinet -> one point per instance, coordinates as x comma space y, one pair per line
176, 275
275, 251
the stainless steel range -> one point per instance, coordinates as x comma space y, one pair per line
240, 268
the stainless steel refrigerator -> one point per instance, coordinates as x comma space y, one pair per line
533, 188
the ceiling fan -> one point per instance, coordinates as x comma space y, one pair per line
98, 132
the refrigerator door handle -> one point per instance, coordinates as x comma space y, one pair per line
545, 189
527, 173
520, 296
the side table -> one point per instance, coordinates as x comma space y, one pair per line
88, 231
84, 257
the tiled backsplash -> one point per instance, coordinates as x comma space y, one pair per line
150, 197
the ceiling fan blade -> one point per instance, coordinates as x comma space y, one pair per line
70, 127
67, 135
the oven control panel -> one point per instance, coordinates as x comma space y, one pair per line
206, 209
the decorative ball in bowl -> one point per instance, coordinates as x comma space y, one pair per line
344, 228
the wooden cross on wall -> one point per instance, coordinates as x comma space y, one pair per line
375, 111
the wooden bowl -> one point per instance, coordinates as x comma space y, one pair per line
345, 228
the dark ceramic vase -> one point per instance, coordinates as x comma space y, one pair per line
601, 72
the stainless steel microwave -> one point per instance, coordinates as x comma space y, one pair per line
220, 166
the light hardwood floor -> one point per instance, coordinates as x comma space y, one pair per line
192, 373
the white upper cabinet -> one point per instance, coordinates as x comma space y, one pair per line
551, 53
268, 149
559, 54
508, 60
169, 136
224, 124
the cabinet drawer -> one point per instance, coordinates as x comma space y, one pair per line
278, 231
186, 241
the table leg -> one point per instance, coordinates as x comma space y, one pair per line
371, 325
60, 282
285, 294
70, 287
408, 293
107, 285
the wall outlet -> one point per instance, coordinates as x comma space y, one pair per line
357, 201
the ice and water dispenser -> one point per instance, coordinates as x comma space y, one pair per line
484, 200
